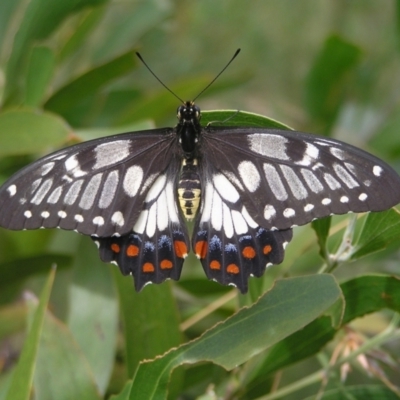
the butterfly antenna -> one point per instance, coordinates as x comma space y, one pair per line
159, 80
223, 69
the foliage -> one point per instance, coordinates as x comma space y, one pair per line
70, 74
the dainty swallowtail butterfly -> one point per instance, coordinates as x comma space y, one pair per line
245, 188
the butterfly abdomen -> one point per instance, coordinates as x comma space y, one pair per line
189, 189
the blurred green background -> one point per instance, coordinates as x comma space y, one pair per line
68, 73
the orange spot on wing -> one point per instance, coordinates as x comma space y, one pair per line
132, 250
232, 269
180, 249
249, 252
201, 248
214, 264
148, 267
115, 248
166, 264
267, 249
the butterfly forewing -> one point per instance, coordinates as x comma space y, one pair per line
287, 178
97, 188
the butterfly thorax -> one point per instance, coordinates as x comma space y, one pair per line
188, 128
188, 131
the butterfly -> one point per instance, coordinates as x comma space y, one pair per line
245, 188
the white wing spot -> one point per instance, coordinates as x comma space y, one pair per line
363, 196
132, 180
312, 181
331, 181
118, 218
109, 188
140, 224
310, 155
338, 153
239, 223
156, 188
268, 145
45, 214
111, 153
326, 201
308, 207
12, 190
46, 168
73, 192
225, 188
98, 221
78, 218
367, 183
377, 170
250, 176
275, 182
295, 184
227, 221
232, 177
28, 214
35, 184
289, 212
55, 195
90, 192
72, 165
62, 214
345, 176
42, 191
250, 221
344, 199
269, 211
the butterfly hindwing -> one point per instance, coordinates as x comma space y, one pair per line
287, 178
158, 244
229, 243
95, 188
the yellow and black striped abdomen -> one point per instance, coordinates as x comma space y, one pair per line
189, 190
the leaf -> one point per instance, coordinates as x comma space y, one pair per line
149, 318
240, 118
379, 230
363, 295
40, 19
29, 132
359, 392
68, 98
21, 383
63, 361
231, 343
326, 82
321, 228
93, 312
40, 69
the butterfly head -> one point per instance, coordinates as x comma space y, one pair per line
189, 127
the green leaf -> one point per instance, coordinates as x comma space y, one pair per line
81, 33
29, 132
231, 343
149, 318
124, 394
360, 392
21, 384
62, 371
326, 82
40, 19
40, 70
379, 230
12, 271
321, 228
71, 96
363, 295
239, 118
93, 312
